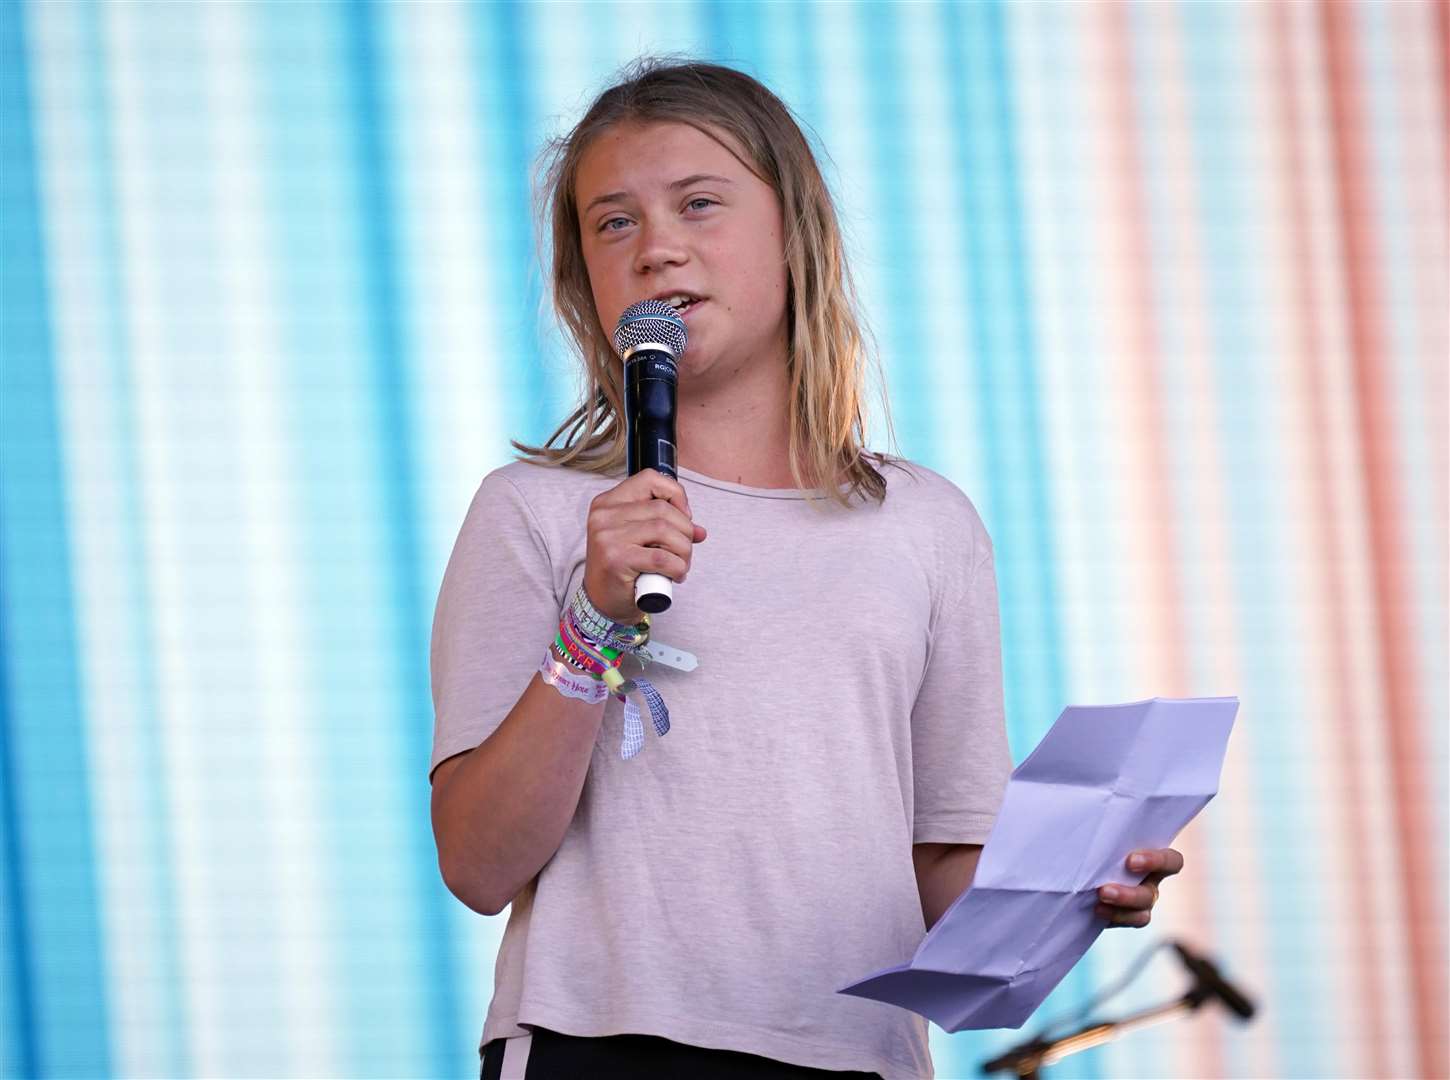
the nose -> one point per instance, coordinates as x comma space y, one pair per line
661, 244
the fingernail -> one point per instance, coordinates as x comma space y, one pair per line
1137, 862
1110, 893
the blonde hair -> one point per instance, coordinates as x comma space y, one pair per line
829, 351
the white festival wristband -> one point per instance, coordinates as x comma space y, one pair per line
570, 683
670, 656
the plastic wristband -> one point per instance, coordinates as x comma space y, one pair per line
570, 683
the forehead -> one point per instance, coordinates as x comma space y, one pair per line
636, 158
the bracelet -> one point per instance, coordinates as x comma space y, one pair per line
570, 684
594, 646
580, 656
602, 663
598, 629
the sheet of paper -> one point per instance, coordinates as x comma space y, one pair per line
1104, 781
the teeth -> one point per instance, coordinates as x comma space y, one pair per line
678, 301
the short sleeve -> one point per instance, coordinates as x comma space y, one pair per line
495, 615
960, 757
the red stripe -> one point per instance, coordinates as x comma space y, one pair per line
1417, 892
1308, 345
1131, 208
1426, 183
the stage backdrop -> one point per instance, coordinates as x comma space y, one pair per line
1161, 286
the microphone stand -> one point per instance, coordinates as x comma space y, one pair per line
1026, 1059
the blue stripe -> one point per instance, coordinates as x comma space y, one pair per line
733, 29
395, 440
511, 140
1243, 363
19, 1049
807, 76
1029, 560
900, 314
1005, 357
50, 886
168, 1042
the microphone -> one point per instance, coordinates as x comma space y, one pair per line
650, 338
1211, 981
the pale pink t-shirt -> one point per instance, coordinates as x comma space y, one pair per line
720, 887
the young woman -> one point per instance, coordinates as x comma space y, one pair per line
835, 759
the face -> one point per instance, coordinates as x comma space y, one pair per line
667, 211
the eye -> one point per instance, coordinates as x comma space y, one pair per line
608, 224
699, 203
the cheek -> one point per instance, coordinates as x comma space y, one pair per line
763, 275
603, 292
772, 277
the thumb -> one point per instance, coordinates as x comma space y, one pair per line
699, 533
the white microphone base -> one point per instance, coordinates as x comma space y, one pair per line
653, 593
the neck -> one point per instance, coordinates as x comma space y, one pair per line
737, 430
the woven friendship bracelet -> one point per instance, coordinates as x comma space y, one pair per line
598, 629
590, 620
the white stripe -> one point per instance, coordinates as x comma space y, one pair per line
933, 215
105, 593
179, 701
1231, 824
842, 59
516, 1057
1065, 197
452, 286
1121, 641
280, 719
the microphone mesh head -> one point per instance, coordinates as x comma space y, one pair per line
651, 321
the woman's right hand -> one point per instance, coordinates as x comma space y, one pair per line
642, 525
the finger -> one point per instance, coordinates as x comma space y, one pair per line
669, 490
1115, 917
645, 485
1128, 896
653, 510
1163, 861
657, 560
649, 534
664, 487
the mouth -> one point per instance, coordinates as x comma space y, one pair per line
682, 302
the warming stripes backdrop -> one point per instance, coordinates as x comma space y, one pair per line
1161, 286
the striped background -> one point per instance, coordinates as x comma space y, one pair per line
1162, 286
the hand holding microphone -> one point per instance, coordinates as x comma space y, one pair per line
650, 338
641, 526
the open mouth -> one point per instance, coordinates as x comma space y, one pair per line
682, 302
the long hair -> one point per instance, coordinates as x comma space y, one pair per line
829, 351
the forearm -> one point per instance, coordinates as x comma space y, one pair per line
943, 879
504, 811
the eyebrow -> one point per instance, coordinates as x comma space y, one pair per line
674, 185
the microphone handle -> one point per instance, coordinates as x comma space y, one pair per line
650, 378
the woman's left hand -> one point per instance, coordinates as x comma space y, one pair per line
1132, 905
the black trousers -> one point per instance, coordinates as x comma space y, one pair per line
555, 1056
